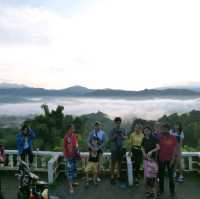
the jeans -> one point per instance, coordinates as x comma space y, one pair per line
137, 160
170, 170
70, 169
27, 152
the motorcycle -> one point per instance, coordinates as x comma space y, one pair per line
30, 185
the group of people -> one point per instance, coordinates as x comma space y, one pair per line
159, 149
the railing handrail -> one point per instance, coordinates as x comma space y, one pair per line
54, 161
52, 153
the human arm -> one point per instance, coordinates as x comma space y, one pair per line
157, 148
32, 133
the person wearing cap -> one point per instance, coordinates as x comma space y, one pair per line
98, 134
116, 138
135, 143
167, 155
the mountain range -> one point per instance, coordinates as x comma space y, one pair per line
15, 90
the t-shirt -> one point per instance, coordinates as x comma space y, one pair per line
70, 145
26, 145
149, 144
167, 146
117, 143
156, 135
93, 156
136, 139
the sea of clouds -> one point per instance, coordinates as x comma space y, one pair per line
128, 109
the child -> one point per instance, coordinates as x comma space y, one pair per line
93, 160
150, 173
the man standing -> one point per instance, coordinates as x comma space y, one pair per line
98, 134
24, 143
167, 156
117, 137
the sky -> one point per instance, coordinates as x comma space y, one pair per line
119, 44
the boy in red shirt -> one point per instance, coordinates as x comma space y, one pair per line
166, 157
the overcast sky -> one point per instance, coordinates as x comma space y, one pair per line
123, 44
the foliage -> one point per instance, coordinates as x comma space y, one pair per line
50, 128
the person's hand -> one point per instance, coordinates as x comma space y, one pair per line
145, 156
149, 154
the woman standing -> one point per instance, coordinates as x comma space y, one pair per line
150, 148
136, 138
70, 154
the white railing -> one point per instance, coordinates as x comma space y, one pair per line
53, 162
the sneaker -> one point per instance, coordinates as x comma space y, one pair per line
112, 181
160, 193
75, 184
95, 183
71, 191
86, 184
136, 182
180, 179
98, 179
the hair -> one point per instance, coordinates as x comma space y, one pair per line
24, 126
165, 127
147, 127
139, 126
69, 126
97, 123
118, 119
180, 128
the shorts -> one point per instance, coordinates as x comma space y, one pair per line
92, 167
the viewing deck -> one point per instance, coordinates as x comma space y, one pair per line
50, 167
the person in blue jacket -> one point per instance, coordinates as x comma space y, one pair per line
24, 143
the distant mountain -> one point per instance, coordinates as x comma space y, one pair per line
143, 93
76, 90
19, 93
194, 86
10, 85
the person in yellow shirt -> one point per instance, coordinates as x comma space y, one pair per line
135, 142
